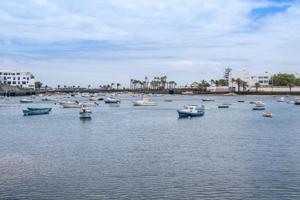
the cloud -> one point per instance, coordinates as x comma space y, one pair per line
194, 38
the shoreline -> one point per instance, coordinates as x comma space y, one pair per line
11, 93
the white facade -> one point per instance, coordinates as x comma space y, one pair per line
17, 78
263, 79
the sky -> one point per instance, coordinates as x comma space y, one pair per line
97, 42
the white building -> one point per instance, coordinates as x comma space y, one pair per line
17, 78
263, 79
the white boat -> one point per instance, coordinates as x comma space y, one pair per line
26, 101
85, 113
85, 95
47, 99
144, 102
111, 99
187, 93
70, 104
191, 111
267, 114
282, 99
208, 99
93, 99
259, 105
297, 101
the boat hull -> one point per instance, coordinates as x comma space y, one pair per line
85, 115
182, 114
259, 108
37, 112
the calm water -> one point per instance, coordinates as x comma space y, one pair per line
148, 153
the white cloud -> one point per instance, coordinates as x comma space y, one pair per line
194, 38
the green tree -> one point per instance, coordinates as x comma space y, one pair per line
283, 79
239, 83
118, 85
38, 84
257, 85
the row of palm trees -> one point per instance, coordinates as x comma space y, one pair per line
155, 84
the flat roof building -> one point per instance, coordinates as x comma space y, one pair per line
17, 78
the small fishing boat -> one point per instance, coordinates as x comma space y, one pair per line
40, 109
267, 114
297, 101
70, 104
282, 99
241, 101
144, 102
26, 101
191, 111
85, 113
111, 100
223, 106
168, 100
93, 99
207, 100
47, 99
187, 93
36, 111
259, 105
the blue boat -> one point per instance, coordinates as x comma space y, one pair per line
191, 111
36, 111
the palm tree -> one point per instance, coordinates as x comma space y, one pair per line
245, 85
89, 86
58, 87
239, 83
118, 85
257, 85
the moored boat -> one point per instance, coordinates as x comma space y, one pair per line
207, 100
267, 114
47, 99
223, 106
26, 101
282, 99
70, 104
191, 111
297, 101
111, 100
259, 105
144, 102
36, 111
85, 113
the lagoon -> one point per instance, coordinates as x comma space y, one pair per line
148, 153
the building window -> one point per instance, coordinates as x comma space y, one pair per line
18, 82
18, 78
18, 73
9, 82
24, 82
14, 82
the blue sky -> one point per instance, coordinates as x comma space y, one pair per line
101, 41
